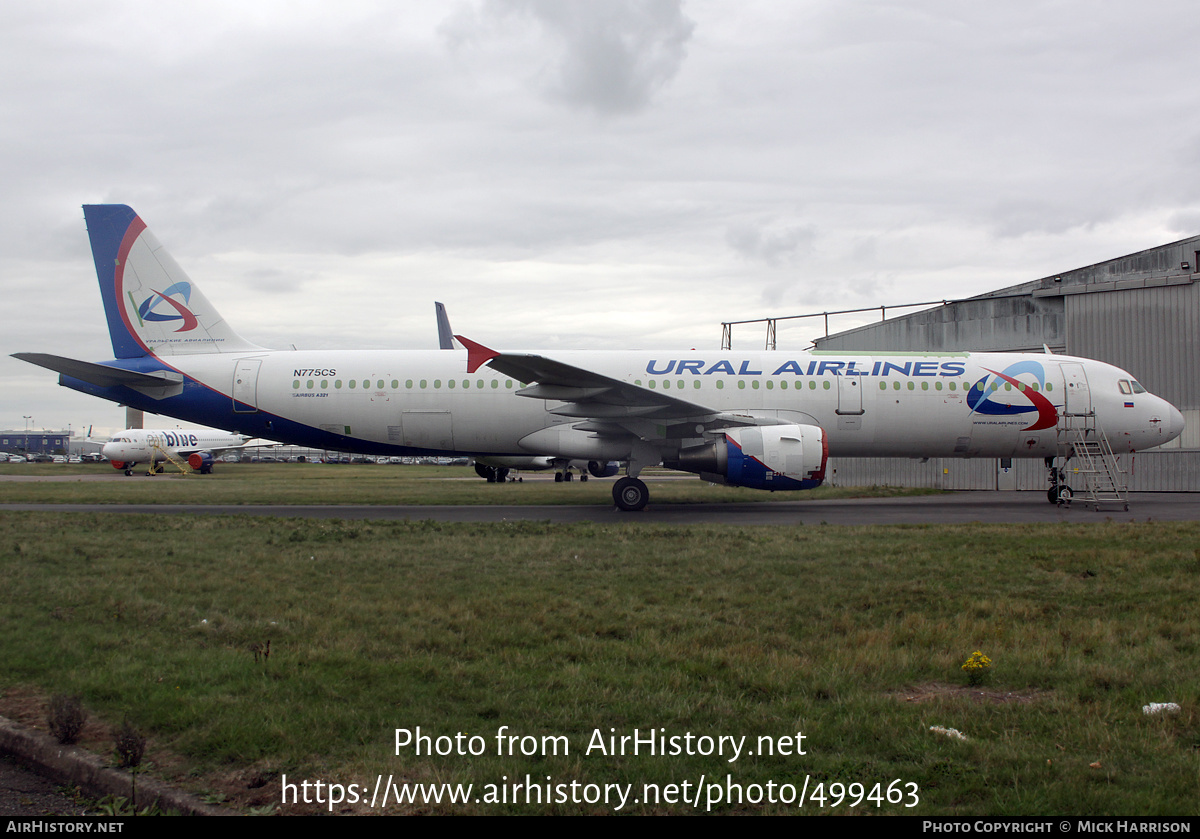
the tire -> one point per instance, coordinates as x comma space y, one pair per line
1061, 495
630, 495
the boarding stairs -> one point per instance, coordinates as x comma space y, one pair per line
163, 455
1091, 466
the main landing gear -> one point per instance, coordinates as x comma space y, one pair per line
492, 474
630, 495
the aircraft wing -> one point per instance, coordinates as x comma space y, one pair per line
99, 375
593, 396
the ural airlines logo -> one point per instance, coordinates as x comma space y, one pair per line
151, 309
987, 397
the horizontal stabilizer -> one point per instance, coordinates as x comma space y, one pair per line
99, 374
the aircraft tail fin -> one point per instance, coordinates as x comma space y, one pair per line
445, 336
152, 306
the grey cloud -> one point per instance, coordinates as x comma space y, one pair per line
772, 246
610, 57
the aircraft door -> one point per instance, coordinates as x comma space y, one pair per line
428, 430
1078, 396
245, 385
850, 403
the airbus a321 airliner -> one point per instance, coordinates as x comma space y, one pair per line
766, 420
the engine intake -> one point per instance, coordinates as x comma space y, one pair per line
603, 469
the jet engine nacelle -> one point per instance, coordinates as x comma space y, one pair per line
201, 462
600, 469
120, 464
773, 457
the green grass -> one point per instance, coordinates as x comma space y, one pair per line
311, 483
853, 636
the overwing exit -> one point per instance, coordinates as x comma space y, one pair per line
767, 420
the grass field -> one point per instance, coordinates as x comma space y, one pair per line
853, 637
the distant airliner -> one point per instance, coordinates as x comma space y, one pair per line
766, 420
200, 446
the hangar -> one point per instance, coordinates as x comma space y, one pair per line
1140, 312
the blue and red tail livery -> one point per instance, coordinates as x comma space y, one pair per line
153, 308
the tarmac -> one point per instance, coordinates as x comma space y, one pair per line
947, 508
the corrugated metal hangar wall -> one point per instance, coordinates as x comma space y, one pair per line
1140, 312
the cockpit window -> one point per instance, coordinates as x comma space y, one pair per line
1137, 388
1125, 388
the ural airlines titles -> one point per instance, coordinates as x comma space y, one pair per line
700, 367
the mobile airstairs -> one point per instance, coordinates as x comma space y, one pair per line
1090, 472
164, 455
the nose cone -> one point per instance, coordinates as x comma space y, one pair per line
1174, 422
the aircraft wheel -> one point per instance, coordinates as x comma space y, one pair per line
1061, 495
558, 477
567, 477
630, 495
128, 473
583, 478
501, 474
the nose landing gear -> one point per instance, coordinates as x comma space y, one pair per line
1059, 493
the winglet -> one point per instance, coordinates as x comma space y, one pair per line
445, 341
477, 354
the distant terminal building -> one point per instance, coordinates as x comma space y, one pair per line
35, 442
1140, 312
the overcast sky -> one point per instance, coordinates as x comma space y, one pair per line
593, 174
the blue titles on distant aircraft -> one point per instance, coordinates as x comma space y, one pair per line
172, 438
812, 368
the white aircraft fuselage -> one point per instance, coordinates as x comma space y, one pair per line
767, 420
870, 405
